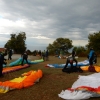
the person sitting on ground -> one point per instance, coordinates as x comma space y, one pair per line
24, 57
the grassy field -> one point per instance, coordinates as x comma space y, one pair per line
50, 85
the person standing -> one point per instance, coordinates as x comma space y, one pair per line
56, 53
10, 54
73, 55
40, 54
2, 61
47, 55
95, 58
91, 57
43, 55
24, 57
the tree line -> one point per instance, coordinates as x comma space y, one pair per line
17, 43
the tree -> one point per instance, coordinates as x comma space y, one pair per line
17, 42
80, 51
94, 41
60, 44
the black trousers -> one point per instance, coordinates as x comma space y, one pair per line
91, 61
25, 60
9, 57
1, 68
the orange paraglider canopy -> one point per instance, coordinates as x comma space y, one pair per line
27, 79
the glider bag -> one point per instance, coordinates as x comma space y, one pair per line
91, 69
73, 69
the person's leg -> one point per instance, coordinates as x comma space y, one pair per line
66, 64
47, 57
1, 68
10, 57
22, 61
91, 67
71, 66
75, 61
26, 61
43, 57
91, 62
95, 60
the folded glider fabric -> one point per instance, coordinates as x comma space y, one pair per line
18, 62
82, 63
14, 68
86, 68
84, 88
25, 80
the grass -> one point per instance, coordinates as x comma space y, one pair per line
50, 85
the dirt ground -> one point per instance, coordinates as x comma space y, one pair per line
17, 56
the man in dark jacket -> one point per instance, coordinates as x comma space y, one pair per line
47, 55
24, 57
73, 55
2, 61
10, 54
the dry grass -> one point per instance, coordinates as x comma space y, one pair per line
50, 85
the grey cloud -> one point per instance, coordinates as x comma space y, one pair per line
73, 19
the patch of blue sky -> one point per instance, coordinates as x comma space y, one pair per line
0, 16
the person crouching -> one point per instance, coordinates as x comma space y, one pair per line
71, 60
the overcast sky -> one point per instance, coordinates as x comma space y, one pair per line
44, 21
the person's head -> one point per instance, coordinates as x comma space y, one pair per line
25, 52
91, 48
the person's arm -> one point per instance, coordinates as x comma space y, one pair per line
27, 55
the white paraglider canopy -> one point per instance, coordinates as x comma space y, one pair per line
92, 81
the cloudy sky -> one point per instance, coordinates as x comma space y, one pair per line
44, 21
